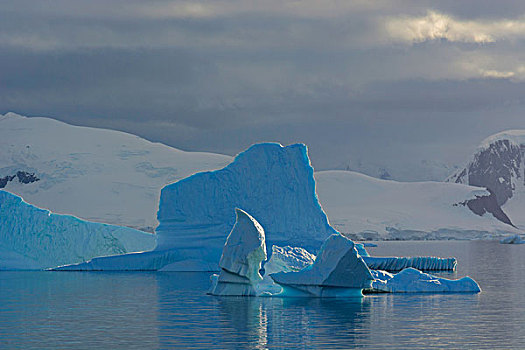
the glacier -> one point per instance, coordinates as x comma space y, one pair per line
338, 271
241, 259
411, 280
33, 239
275, 184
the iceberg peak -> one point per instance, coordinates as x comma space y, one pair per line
245, 248
242, 256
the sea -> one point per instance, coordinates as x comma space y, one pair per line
171, 310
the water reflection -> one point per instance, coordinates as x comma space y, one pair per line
294, 322
41, 310
254, 323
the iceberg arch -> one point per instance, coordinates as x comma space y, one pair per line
338, 271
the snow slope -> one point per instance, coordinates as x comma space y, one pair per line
499, 165
368, 208
34, 238
96, 174
399, 167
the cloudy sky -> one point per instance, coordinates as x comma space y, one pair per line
405, 86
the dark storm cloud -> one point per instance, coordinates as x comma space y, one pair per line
383, 79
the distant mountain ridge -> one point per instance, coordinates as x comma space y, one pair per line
387, 169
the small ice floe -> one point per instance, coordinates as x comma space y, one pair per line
516, 239
411, 280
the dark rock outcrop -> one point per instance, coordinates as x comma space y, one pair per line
499, 167
487, 204
494, 168
23, 177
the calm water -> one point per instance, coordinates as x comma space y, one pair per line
171, 310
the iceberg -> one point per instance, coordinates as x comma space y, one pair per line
424, 263
515, 239
273, 183
242, 256
34, 239
411, 280
338, 271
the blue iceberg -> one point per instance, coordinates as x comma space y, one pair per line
275, 184
33, 239
423, 263
395, 263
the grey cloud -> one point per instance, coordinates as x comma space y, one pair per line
219, 81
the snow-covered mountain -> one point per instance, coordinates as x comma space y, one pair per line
95, 174
499, 165
364, 207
